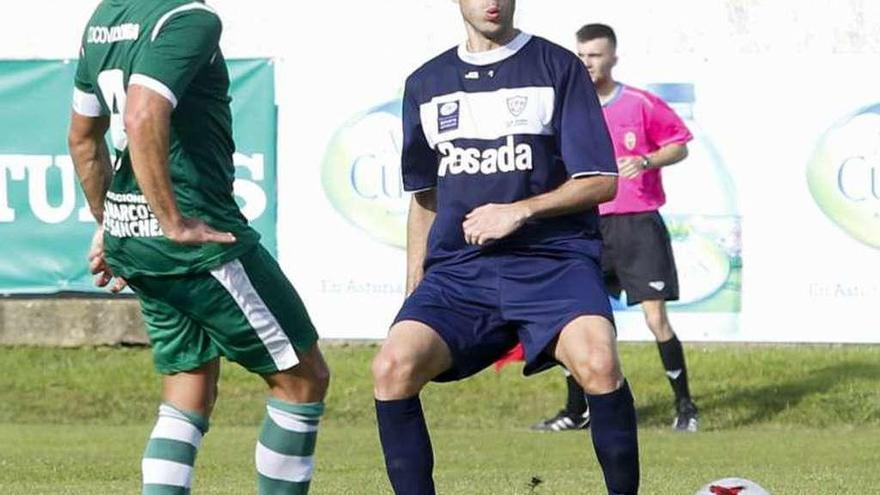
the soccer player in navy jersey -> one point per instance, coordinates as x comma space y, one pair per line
507, 155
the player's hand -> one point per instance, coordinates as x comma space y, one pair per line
194, 231
98, 265
630, 166
492, 222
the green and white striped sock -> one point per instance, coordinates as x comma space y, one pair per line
171, 452
285, 451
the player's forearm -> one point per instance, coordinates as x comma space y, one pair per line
667, 155
92, 162
574, 196
88, 150
422, 211
148, 144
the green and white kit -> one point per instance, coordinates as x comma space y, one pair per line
198, 301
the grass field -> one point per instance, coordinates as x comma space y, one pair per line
798, 420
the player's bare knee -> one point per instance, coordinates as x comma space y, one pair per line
308, 381
386, 369
393, 375
322, 379
597, 373
316, 376
314, 369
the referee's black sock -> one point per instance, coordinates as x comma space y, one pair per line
672, 355
406, 444
615, 439
576, 403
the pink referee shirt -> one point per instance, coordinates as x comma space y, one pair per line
640, 123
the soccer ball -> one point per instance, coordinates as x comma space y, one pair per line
732, 486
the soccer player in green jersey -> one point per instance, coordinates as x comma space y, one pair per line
152, 72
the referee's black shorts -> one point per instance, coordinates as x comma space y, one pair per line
637, 257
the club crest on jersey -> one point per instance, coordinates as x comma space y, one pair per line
447, 116
629, 140
516, 105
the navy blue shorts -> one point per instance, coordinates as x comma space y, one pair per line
483, 307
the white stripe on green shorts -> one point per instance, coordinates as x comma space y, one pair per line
233, 277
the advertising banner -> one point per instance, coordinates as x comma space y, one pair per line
774, 216
45, 224
771, 215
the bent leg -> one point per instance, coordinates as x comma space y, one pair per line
193, 390
286, 446
187, 400
411, 356
306, 382
587, 347
188, 361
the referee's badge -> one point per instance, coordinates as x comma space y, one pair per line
629, 140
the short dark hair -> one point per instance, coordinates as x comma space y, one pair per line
595, 31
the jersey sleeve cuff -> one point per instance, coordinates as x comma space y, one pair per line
420, 189
154, 85
675, 140
86, 104
594, 172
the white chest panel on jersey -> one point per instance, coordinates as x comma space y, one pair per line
488, 115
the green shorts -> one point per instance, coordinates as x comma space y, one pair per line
245, 310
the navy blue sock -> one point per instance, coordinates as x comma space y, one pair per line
409, 458
615, 439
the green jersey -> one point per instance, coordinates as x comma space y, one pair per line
172, 48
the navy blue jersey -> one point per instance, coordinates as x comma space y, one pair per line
498, 127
